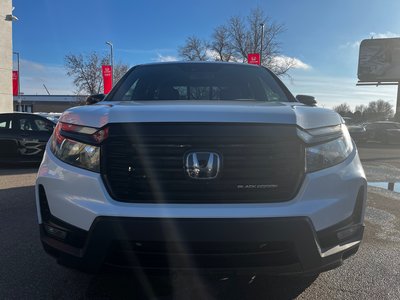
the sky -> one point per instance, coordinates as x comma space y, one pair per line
323, 37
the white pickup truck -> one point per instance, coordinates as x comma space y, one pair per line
201, 166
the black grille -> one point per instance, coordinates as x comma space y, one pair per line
259, 163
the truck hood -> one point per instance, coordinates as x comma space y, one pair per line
291, 113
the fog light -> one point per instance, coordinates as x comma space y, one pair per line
55, 232
343, 234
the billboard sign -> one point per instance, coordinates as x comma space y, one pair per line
253, 58
379, 60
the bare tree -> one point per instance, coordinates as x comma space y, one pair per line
239, 37
194, 49
343, 109
280, 65
359, 113
119, 70
379, 110
86, 72
221, 45
361, 108
246, 38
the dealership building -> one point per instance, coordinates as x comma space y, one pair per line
6, 56
46, 103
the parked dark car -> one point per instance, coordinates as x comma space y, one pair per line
51, 116
358, 133
383, 131
23, 137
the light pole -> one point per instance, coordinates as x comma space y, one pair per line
111, 61
11, 17
19, 83
262, 40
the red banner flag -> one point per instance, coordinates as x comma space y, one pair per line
107, 78
253, 58
15, 80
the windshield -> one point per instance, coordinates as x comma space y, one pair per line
194, 81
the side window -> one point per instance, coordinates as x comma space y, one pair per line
183, 92
27, 123
43, 125
5, 122
130, 93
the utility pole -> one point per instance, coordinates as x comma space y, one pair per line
397, 111
262, 40
111, 61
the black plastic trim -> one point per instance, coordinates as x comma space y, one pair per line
291, 230
211, 132
43, 204
80, 137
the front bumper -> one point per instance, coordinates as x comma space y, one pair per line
311, 233
269, 246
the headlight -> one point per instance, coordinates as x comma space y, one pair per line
327, 154
77, 145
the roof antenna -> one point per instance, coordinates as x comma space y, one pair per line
48, 93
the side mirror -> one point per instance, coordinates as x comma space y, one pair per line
92, 99
307, 100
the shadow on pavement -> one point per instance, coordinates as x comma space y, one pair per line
112, 285
13, 169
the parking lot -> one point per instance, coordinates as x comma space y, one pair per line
373, 273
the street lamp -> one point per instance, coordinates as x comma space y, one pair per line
112, 62
262, 40
19, 83
11, 17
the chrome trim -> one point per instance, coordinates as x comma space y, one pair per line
196, 170
339, 248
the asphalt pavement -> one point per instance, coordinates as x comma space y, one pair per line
26, 272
